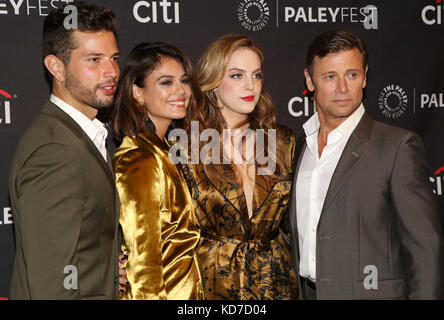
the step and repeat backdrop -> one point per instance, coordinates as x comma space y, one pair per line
405, 85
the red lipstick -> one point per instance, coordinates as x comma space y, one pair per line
248, 98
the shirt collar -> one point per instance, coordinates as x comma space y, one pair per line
92, 128
312, 125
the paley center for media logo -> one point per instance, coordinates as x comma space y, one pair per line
393, 101
367, 15
433, 14
426, 100
163, 11
437, 181
5, 107
253, 14
30, 7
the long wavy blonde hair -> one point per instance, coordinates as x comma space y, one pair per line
210, 71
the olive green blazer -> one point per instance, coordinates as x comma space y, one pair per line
65, 209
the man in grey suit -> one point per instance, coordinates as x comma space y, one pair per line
64, 200
364, 221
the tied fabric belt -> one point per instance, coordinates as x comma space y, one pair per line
261, 244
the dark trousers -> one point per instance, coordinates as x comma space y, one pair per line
308, 289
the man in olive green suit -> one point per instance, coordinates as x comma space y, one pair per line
65, 205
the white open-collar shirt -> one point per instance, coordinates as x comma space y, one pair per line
313, 180
94, 129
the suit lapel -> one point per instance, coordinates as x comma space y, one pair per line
109, 163
356, 147
299, 151
54, 111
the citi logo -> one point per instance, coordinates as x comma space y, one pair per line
437, 182
432, 14
5, 108
301, 106
155, 11
37, 7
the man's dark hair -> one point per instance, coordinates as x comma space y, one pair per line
57, 40
332, 42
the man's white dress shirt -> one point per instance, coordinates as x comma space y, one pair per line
94, 129
313, 180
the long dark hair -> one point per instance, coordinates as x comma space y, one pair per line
129, 118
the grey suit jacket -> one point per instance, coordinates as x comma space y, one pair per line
379, 211
65, 209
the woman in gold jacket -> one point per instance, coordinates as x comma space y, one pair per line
156, 216
241, 206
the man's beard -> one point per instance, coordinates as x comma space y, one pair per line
86, 95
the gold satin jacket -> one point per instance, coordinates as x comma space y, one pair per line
158, 222
243, 258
